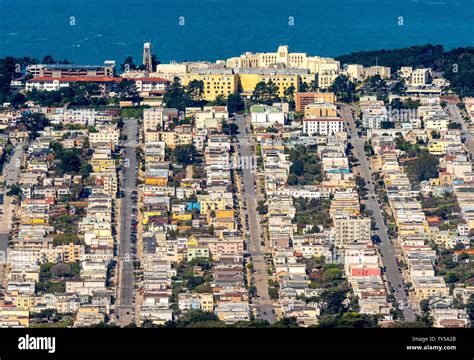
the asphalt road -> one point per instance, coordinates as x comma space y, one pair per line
263, 302
11, 172
456, 117
386, 249
125, 303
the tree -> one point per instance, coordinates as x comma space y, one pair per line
292, 180
127, 90
229, 129
452, 278
70, 163
48, 60
289, 93
332, 274
34, 122
399, 88
286, 322
453, 125
343, 88
8, 72
304, 87
220, 100
175, 96
297, 167
128, 64
148, 324
235, 103
86, 170
396, 104
66, 239
195, 317
376, 85
194, 91
333, 299
411, 104
15, 190
262, 208
423, 168
194, 282
265, 92
387, 125
313, 86
425, 305
184, 154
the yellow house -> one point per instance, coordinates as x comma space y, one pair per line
148, 214
224, 223
437, 146
426, 288
173, 138
224, 219
169, 138
14, 316
207, 302
214, 84
182, 217
320, 110
212, 204
152, 136
156, 181
36, 221
24, 302
101, 165
72, 253
228, 213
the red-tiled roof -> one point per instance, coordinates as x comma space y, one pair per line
151, 80
467, 251
77, 79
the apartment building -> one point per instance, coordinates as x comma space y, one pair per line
323, 126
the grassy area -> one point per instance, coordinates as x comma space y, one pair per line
312, 212
306, 166
455, 272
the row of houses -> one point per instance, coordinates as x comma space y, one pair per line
192, 221
416, 232
63, 221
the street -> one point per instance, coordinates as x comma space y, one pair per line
456, 117
263, 302
125, 299
11, 172
386, 249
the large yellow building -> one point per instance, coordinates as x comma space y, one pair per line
283, 82
248, 81
215, 84
317, 110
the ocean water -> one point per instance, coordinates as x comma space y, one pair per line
91, 31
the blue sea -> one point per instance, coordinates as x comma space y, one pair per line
91, 31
